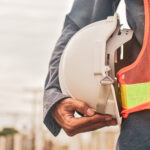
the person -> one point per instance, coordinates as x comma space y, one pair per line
59, 108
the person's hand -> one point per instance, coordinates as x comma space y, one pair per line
64, 111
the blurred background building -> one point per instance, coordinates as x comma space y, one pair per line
29, 30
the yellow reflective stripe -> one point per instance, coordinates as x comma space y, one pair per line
135, 94
124, 96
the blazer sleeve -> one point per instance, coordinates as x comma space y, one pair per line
52, 91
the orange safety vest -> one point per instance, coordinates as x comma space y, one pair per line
134, 79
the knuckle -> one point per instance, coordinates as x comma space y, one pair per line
68, 105
67, 102
82, 105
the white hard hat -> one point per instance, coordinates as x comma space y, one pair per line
83, 71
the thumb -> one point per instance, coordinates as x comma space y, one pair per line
83, 108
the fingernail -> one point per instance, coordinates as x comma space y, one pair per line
108, 118
90, 112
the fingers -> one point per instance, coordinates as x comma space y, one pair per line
92, 127
87, 123
82, 121
63, 113
83, 108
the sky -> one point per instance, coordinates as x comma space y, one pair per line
28, 33
29, 30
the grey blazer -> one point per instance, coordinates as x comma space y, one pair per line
83, 13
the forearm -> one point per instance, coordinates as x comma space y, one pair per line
52, 91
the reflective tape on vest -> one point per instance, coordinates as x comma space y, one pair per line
135, 79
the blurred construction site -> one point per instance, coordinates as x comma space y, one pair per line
29, 30
25, 131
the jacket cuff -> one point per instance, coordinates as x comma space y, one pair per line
49, 121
